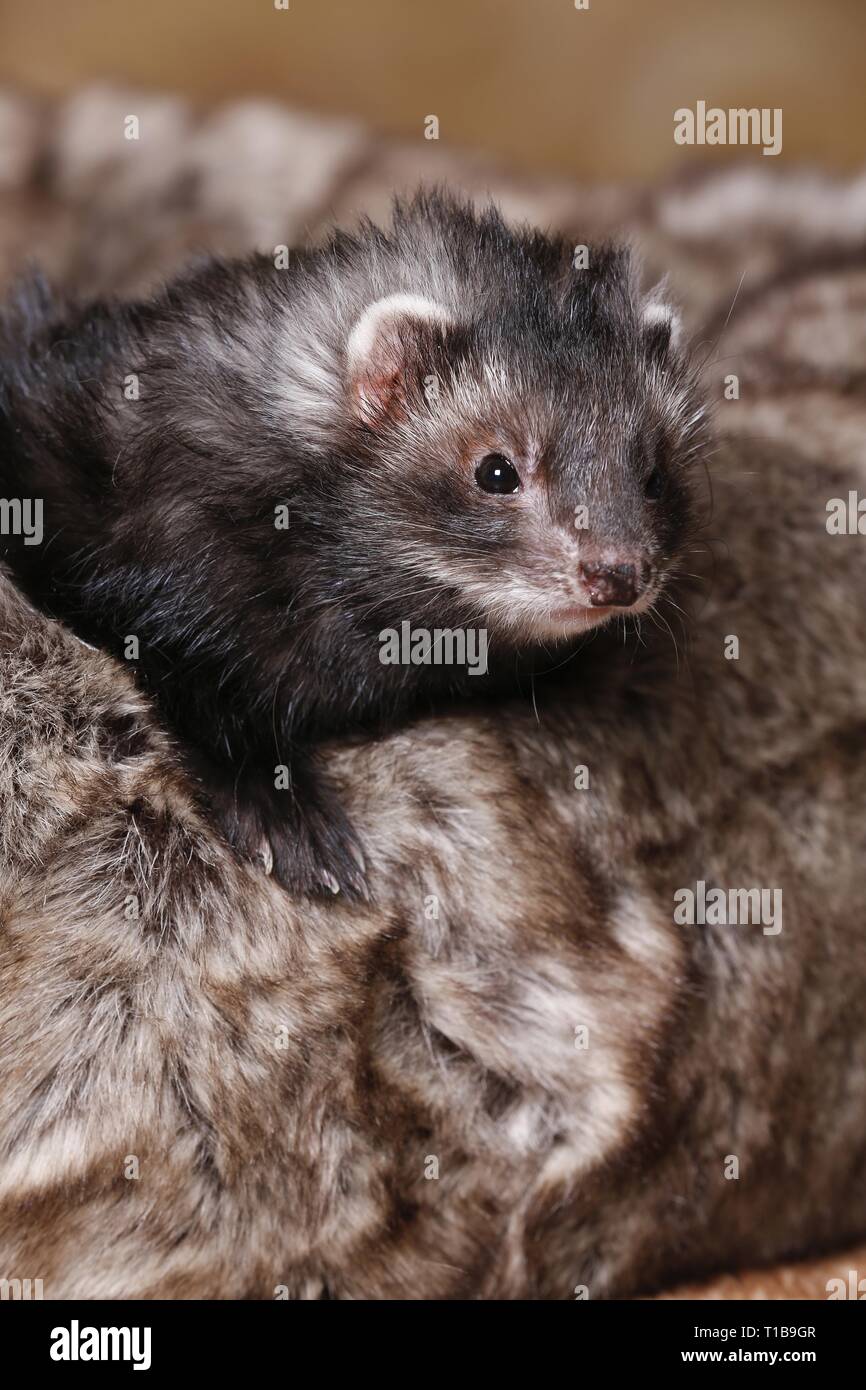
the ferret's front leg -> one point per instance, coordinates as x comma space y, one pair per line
289, 819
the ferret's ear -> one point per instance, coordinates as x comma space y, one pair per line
385, 346
662, 326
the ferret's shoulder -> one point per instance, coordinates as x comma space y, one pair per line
46, 333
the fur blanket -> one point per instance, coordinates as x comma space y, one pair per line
513, 1074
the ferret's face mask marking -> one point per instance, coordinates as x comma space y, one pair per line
539, 474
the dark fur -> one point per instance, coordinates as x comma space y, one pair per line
159, 513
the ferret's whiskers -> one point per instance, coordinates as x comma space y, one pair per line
658, 618
701, 365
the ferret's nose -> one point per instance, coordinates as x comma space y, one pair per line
615, 586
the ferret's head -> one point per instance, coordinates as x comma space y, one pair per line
530, 446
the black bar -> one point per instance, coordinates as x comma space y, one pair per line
304, 1340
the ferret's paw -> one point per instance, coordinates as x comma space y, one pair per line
301, 837
317, 854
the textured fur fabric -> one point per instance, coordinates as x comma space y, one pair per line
209, 1090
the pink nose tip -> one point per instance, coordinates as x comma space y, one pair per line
615, 586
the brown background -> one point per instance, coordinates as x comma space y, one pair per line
548, 88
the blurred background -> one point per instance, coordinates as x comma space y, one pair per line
543, 85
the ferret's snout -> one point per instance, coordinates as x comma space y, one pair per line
614, 585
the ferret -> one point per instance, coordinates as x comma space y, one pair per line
272, 462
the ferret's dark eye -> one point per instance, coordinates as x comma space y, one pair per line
496, 474
654, 486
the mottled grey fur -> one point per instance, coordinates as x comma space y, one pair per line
285, 1073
